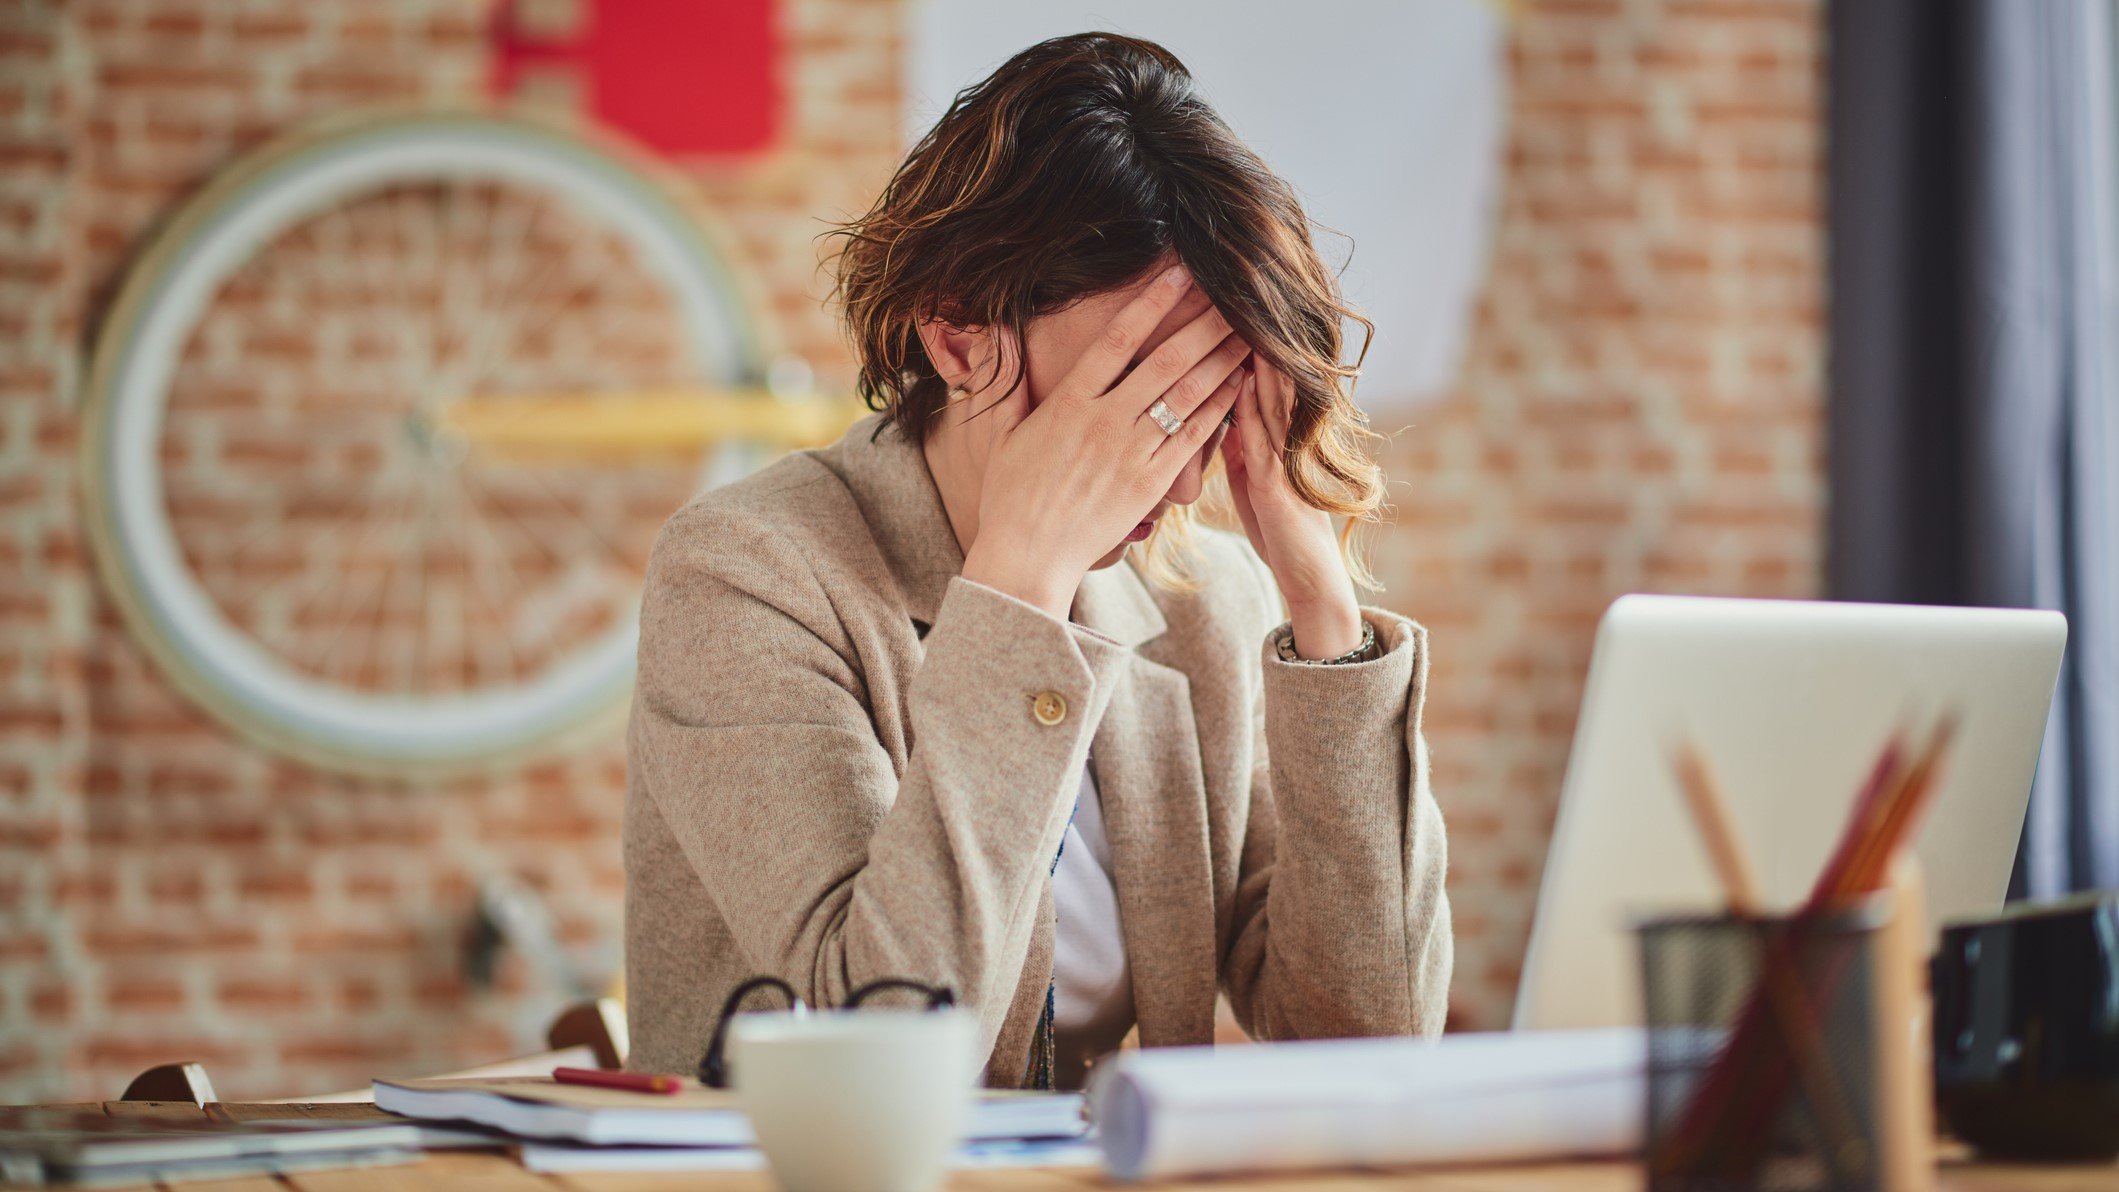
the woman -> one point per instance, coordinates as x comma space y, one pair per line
964, 699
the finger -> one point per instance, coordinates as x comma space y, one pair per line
1193, 435
1191, 306
1108, 358
1204, 340
1276, 400
1233, 474
1232, 444
1246, 513
1258, 451
1218, 436
1202, 379
1192, 391
1235, 452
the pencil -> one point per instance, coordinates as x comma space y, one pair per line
1784, 997
1710, 814
632, 1082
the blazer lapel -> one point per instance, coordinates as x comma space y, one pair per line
1146, 754
1151, 781
890, 481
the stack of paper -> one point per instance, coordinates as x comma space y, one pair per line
536, 1107
87, 1148
1012, 1152
1371, 1102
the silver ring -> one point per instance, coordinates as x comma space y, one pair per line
1165, 418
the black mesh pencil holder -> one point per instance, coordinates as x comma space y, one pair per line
1762, 1059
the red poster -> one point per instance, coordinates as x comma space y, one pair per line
686, 77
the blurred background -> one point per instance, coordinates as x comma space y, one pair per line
329, 453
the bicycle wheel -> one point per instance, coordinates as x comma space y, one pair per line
301, 484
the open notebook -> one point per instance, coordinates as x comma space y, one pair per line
537, 1107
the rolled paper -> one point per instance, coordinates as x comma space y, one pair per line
1468, 1098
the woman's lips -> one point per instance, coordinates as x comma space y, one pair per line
1141, 531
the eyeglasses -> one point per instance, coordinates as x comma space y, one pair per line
713, 1068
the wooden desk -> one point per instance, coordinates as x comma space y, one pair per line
497, 1172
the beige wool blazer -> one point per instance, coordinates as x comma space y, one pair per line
847, 762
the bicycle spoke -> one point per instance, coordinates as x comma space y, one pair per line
473, 527
353, 582
477, 363
539, 542
452, 292
446, 597
625, 564
429, 336
311, 581
580, 288
515, 617
478, 375
412, 645
377, 286
351, 604
382, 635
313, 547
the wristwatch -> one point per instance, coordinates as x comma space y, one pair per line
1284, 645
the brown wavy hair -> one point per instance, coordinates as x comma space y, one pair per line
1072, 170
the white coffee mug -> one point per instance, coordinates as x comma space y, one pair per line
855, 1101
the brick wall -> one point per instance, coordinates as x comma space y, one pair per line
1639, 410
165, 890
43, 586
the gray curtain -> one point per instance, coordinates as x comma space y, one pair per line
1974, 374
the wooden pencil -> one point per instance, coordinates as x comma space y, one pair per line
1710, 814
1799, 1026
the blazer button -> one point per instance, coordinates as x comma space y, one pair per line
1050, 707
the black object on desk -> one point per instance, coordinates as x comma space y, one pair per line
2027, 1030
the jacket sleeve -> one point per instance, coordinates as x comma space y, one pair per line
1342, 924
831, 869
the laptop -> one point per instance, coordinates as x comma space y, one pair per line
1790, 702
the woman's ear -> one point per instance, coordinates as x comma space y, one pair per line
957, 353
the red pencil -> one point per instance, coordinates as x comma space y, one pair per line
632, 1082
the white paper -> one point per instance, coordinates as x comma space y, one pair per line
550, 1157
555, 1156
1371, 1102
641, 1121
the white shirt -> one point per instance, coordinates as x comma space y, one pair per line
1092, 994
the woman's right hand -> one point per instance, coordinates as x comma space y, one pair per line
1067, 481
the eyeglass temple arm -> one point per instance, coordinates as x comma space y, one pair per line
938, 996
713, 1068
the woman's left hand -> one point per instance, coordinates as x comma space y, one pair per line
1295, 538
